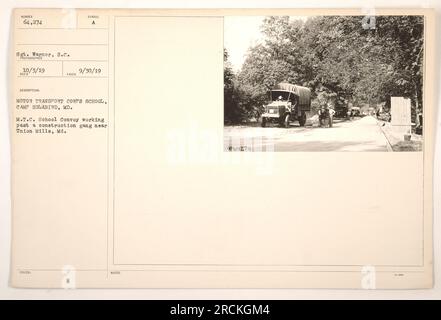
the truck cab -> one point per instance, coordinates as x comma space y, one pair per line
288, 103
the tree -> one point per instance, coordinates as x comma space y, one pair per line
336, 55
231, 112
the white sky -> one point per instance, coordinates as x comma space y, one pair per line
241, 32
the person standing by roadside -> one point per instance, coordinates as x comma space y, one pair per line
322, 113
331, 112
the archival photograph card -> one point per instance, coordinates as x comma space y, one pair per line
258, 148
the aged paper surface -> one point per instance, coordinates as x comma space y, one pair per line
121, 177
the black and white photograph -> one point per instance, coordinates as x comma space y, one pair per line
323, 83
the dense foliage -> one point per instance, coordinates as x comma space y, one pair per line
334, 56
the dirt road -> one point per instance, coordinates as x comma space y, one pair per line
360, 134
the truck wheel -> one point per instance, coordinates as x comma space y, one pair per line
286, 122
302, 119
263, 122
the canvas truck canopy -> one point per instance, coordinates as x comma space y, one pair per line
303, 93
